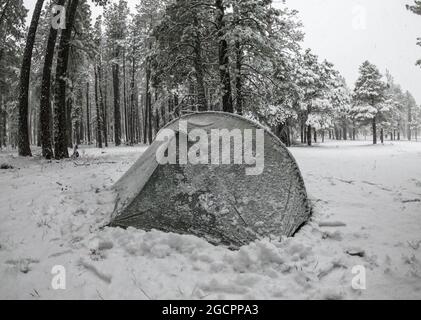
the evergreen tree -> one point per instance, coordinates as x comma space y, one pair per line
12, 36
60, 114
369, 96
116, 26
416, 8
45, 103
25, 73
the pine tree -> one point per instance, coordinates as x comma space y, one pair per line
45, 103
416, 8
223, 57
23, 138
12, 37
60, 122
116, 26
369, 96
316, 81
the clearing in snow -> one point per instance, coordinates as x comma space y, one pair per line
367, 213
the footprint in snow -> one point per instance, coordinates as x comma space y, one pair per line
23, 265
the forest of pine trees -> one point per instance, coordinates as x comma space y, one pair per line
119, 78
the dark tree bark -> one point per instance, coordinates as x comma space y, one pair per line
25, 73
98, 112
148, 107
88, 114
103, 121
132, 103
199, 70
145, 114
382, 135
374, 125
45, 102
117, 113
3, 119
105, 115
4, 138
238, 78
224, 72
60, 141
238, 66
126, 119
3, 13
309, 135
69, 123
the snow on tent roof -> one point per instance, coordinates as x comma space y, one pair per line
219, 203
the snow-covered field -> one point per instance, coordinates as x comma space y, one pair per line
367, 202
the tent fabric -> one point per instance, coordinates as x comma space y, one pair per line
219, 203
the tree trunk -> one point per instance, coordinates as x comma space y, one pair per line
45, 102
238, 78
126, 120
105, 114
374, 125
25, 73
60, 142
148, 106
98, 111
117, 114
345, 132
198, 66
238, 66
145, 113
224, 72
309, 135
4, 139
102, 106
69, 107
2, 122
409, 122
88, 114
302, 132
382, 135
132, 103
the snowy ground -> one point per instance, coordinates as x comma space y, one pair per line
51, 214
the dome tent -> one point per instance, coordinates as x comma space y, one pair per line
221, 203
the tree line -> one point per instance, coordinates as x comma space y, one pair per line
121, 77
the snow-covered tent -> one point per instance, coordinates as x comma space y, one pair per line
231, 204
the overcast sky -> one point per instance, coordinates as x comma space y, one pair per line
347, 32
